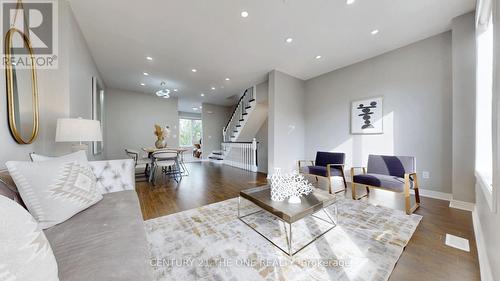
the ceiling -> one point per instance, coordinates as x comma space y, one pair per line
213, 38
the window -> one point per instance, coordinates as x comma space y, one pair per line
484, 103
484, 98
190, 131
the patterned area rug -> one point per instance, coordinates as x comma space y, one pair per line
211, 243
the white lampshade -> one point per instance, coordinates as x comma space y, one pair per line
78, 130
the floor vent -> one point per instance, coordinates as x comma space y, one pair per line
457, 242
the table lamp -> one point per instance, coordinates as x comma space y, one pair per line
78, 130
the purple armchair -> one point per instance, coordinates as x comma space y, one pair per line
393, 173
326, 165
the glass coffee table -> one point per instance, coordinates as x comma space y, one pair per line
288, 213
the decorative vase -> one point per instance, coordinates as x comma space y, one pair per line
160, 143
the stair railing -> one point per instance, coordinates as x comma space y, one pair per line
238, 115
241, 155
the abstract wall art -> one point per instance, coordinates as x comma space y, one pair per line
367, 116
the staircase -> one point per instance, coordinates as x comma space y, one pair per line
239, 147
246, 119
240, 115
216, 156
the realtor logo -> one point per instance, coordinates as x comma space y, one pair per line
33, 21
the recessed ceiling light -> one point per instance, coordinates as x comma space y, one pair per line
149, 58
195, 108
375, 32
244, 14
227, 79
213, 88
289, 40
202, 94
349, 2
201, 106
146, 74
176, 90
142, 84
194, 70
318, 57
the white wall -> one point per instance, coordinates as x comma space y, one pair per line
214, 118
130, 120
464, 91
56, 89
285, 121
189, 115
417, 88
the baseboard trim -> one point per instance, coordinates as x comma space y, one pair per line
484, 263
433, 194
462, 205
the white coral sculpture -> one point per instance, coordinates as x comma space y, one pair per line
284, 186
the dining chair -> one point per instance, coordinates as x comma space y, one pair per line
180, 156
138, 159
168, 161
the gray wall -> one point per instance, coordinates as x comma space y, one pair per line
130, 120
212, 126
262, 97
417, 88
82, 69
285, 121
262, 148
63, 92
464, 91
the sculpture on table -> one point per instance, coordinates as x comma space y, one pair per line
161, 133
290, 186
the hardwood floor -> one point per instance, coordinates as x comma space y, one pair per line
207, 183
426, 256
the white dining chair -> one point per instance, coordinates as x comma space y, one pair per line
139, 160
168, 161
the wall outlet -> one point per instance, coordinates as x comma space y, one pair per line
426, 175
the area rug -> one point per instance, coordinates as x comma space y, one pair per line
211, 243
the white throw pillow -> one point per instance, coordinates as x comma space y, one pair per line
55, 190
79, 156
25, 253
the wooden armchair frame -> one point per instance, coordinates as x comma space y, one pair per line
408, 178
328, 173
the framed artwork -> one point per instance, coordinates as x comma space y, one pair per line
97, 111
367, 116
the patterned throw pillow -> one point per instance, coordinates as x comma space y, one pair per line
55, 190
25, 253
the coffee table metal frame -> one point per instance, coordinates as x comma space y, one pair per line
288, 233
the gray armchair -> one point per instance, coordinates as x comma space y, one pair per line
393, 173
326, 165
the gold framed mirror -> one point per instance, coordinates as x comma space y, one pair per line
22, 89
